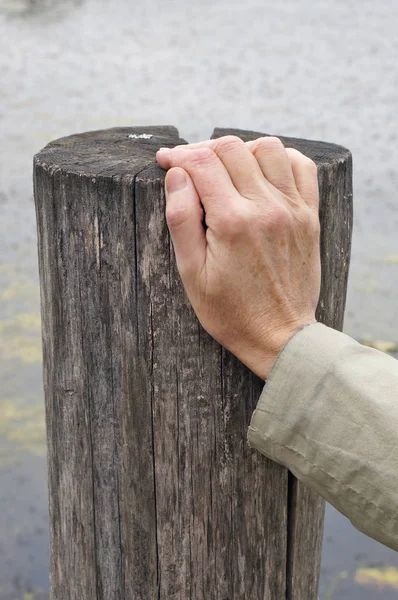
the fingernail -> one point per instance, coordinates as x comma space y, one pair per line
176, 181
163, 150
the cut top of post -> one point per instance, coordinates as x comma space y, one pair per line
117, 152
125, 151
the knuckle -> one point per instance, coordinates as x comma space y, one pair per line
233, 224
229, 226
308, 220
310, 164
274, 141
268, 144
228, 143
306, 161
294, 154
175, 216
279, 219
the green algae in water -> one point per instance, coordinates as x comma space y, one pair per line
22, 422
385, 577
332, 588
20, 338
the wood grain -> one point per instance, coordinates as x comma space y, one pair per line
153, 491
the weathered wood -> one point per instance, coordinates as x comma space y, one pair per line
154, 493
305, 508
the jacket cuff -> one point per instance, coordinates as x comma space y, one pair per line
328, 412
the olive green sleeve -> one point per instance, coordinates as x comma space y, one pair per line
329, 413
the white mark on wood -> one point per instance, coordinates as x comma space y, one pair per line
97, 240
141, 136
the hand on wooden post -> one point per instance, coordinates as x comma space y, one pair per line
253, 275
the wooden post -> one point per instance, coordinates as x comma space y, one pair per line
154, 493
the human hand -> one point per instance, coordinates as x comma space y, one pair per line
253, 276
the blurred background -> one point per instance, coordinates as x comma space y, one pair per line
305, 68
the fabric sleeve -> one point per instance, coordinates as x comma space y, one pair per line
329, 413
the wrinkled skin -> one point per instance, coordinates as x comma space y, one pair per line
253, 274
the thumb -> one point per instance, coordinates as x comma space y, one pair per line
184, 216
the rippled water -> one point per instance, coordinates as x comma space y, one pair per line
301, 68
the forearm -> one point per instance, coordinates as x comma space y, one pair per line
329, 413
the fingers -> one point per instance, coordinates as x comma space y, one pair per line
239, 162
305, 174
229, 165
287, 169
184, 215
274, 162
209, 176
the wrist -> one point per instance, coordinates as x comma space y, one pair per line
262, 359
